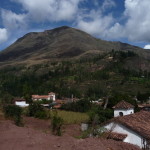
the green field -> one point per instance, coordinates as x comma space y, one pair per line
71, 117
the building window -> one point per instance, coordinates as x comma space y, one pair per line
120, 113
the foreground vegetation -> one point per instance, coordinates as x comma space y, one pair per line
13, 112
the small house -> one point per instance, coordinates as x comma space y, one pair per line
50, 96
20, 102
130, 127
123, 108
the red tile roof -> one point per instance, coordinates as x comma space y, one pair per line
123, 105
40, 96
143, 105
138, 122
116, 136
51, 93
57, 106
19, 99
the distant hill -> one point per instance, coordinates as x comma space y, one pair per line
60, 44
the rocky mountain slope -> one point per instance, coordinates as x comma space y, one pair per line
60, 44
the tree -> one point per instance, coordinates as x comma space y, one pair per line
36, 110
14, 112
57, 123
27, 92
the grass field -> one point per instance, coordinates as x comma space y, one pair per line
70, 117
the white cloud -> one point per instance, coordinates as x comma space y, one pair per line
108, 4
138, 23
147, 46
135, 27
3, 35
50, 10
116, 31
13, 21
95, 23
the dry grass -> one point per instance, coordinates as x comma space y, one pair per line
70, 117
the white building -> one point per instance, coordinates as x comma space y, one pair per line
123, 108
21, 102
130, 128
50, 96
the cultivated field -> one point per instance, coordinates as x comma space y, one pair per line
70, 117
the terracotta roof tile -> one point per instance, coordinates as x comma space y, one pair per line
123, 105
40, 96
138, 122
57, 106
51, 93
19, 99
116, 136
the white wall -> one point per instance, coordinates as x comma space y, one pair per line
21, 104
132, 137
52, 97
124, 111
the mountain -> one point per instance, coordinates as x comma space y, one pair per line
60, 44
71, 62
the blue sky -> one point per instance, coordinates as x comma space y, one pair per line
115, 20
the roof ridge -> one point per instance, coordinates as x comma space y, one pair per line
123, 104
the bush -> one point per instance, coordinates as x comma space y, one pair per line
41, 115
36, 110
98, 115
14, 112
57, 123
79, 106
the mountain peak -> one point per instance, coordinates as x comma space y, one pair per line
58, 29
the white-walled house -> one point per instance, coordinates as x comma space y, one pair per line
123, 108
133, 128
21, 102
50, 96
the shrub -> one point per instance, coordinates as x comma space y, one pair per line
57, 123
98, 115
41, 115
36, 110
82, 105
14, 112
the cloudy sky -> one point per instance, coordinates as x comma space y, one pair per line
116, 20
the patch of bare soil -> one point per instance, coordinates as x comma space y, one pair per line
45, 126
36, 135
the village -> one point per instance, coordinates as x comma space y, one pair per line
126, 125
74, 75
